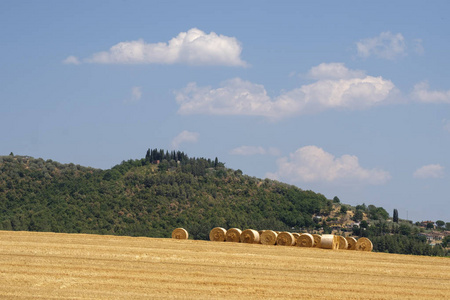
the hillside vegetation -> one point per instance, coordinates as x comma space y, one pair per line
165, 190
147, 197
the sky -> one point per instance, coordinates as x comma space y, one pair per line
345, 98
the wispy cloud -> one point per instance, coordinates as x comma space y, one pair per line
348, 89
185, 137
423, 93
136, 94
429, 171
313, 164
255, 150
71, 60
386, 45
193, 47
446, 125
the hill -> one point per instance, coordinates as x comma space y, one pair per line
147, 197
164, 190
67, 266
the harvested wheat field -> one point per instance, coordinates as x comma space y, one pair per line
66, 266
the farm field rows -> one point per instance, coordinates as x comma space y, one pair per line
66, 266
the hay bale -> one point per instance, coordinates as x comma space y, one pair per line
305, 240
180, 234
343, 244
285, 239
217, 234
269, 237
250, 236
351, 243
296, 236
364, 244
233, 235
317, 239
329, 241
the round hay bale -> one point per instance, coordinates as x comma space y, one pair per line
351, 243
343, 244
180, 234
305, 240
250, 236
364, 244
233, 235
296, 236
285, 239
329, 241
217, 234
317, 239
269, 237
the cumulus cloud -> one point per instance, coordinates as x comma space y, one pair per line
313, 164
254, 150
422, 93
185, 137
334, 71
71, 60
193, 47
386, 45
239, 97
429, 171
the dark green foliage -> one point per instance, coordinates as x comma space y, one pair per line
147, 197
336, 200
395, 216
440, 224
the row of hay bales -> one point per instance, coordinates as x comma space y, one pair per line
270, 237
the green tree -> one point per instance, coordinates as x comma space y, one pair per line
395, 216
446, 241
358, 216
440, 224
336, 199
344, 209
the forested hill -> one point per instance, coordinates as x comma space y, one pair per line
147, 197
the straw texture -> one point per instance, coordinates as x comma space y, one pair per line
343, 244
269, 237
351, 243
250, 236
233, 235
364, 244
305, 240
285, 239
218, 234
317, 239
180, 234
329, 241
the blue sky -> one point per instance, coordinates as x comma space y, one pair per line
348, 99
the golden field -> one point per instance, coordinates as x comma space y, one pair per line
78, 266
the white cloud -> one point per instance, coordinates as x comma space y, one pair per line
71, 60
185, 137
313, 164
334, 71
429, 171
240, 97
422, 93
446, 125
418, 47
136, 94
386, 45
193, 47
255, 150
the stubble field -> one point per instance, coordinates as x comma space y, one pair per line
76, 266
